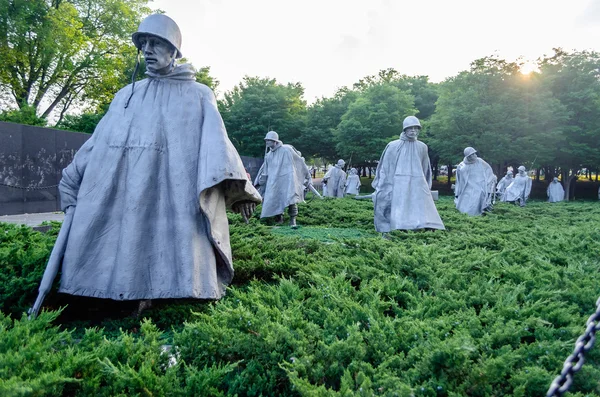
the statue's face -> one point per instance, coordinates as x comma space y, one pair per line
472, 157
270, 144
158, 54
412, 132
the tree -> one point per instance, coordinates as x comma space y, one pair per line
420, 87
258, 105
57, 53
323, 117
511, 119
372, 121
574, 79
25, 115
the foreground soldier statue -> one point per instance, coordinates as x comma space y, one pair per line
335, 179
402, 198
503, 184
555, 191
520, 188
145, 196
353, 182
475, 183
283, 176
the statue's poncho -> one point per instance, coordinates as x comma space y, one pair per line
353, 184
286, 176
402, 197
474, 188
149, 191
519, 189
555, 192
336, 181
502, 185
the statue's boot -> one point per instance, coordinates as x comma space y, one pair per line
293, 222
143, 305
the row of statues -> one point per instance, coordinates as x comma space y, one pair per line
145, 197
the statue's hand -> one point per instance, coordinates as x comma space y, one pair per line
245, 208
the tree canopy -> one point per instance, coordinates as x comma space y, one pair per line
57, 53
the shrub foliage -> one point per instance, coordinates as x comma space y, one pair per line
489, 307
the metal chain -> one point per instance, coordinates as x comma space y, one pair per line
29, 188
560, 385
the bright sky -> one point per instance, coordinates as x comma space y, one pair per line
328, 44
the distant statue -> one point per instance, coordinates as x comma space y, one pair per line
520, 188
503, 184
402, 198
353, 182
335, 179
284, 176
145, 196
555, 191
475, 183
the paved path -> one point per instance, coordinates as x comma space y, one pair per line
33, 219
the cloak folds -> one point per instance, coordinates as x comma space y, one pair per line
519, 189
336, 181
353, 184
502, 185
286, 175
402, 198
474, 186
555, 192
149, 192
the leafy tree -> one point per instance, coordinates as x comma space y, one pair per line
373, 120
323, 117
25, 115
420, 87
203, 76
511, 119
57, 53
258, 105
574, 79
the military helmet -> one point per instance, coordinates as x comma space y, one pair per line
509, 173
469, 151
272, 136
522, 168
410, 121
341, 163
161, 26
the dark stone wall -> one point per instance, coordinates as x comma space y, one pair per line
31, 162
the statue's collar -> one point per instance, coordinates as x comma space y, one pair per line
179, 72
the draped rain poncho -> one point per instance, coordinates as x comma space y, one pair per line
502, 185
286, 176
474, 189
336, 181
555, 192
519, 189
402, 198
149, 191
353, 184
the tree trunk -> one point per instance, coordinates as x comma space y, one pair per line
449, 174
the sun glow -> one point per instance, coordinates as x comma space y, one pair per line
528, 67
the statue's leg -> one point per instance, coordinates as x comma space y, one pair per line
293, 213
143, 305
279, 219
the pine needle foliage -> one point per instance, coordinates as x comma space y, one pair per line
489, 307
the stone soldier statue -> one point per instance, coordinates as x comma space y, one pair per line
555, 191
503, 184
145, 196
335, 179
520, 188
475, 184
402, 198
284, 176
353, 182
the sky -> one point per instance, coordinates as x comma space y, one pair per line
329, 44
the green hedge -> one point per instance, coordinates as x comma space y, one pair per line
489, 307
